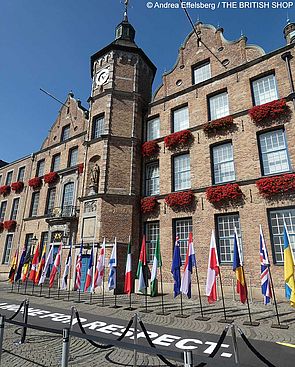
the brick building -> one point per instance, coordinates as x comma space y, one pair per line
201, 110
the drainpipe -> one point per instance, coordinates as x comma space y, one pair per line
286, 56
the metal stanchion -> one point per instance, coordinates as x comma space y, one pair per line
2, 322
188, 358
65, 347
135, 320
235, 343
25, 320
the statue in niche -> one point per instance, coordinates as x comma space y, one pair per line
94, 179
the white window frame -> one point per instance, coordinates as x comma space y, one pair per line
98, 126
152, 179
265, 89
7, 249
182, 228
219, 106
9, 174
181, 172
180, 119
14, 208
152, 231
71, 152
223, 163
34, 205
40, 168
202, 72
153, 129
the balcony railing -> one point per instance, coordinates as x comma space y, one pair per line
62, 212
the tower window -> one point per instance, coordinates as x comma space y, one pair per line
153, 129
218, 106
264, 90
180, 119
65, 133
97, 127
201, 73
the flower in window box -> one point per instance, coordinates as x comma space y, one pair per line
148, 204
17, 186
269, 112
5, 190
51, 177
224, 194
220, 125
277, 185
179, 139
180, 200
35, 182
9, 225
80, 168
150, 148
1, 226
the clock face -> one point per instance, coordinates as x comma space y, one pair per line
102, 76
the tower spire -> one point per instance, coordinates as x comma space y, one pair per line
126, 3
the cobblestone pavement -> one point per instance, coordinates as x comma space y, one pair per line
43, 349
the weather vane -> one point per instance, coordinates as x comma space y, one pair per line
126, 3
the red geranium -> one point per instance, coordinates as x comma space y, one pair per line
148, 204
224, 194
269, 111
80, 168
17, 186
224, 123
269, 186
51, 177
178, 139
1, 226
5, 190
9, 225
180, 199
150, 148
35, 182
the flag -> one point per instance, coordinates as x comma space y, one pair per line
175, 269
289, 268
64, 282
213, 271
26, 267
156, 263
35, 262
21, 264
40, 265
141, 268
238, 269
79, 269
128, 272
55, 267
112, 281
89, 274
13, 267
265, 275
100, 266
190, 261
48, 262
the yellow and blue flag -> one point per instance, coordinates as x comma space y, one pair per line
289, 269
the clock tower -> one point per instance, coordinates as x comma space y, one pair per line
122, 77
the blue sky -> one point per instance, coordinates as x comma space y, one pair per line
48, 44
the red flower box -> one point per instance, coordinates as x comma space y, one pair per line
35, 182
268, 112
270, 186
9, 225
150, 148
225, 194
17, 186
180, 199
1, 226
148, 204
178, 139
222, 124
51, 177
80, 168
5, 190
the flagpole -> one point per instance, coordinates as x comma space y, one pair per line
202, 317
250, 322
59, 274
162, 294
70, 270
225, 320
103, 288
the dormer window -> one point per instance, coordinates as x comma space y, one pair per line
65, 134
201, 72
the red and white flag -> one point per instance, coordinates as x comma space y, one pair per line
213, 271
79, 269
128, 273
55, 267
100, 267
35, 263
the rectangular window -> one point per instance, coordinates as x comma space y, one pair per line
73, 157
202, 72
55, 164
264, 90
97, 127
180, 119
223, 163
182, 229
65, 133
34, 203
153, 129
225, 228
9, 178
182, 172
218, 105
152, 179
7, 249
3, 207
44, 240
0, 180
151, 233
50, 200
274, 153
29, 241
277, 218
14, 209
21, 174
40, 168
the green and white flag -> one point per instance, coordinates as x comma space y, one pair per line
157, 263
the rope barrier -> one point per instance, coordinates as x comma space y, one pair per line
17, 312
220, 341
254, 350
